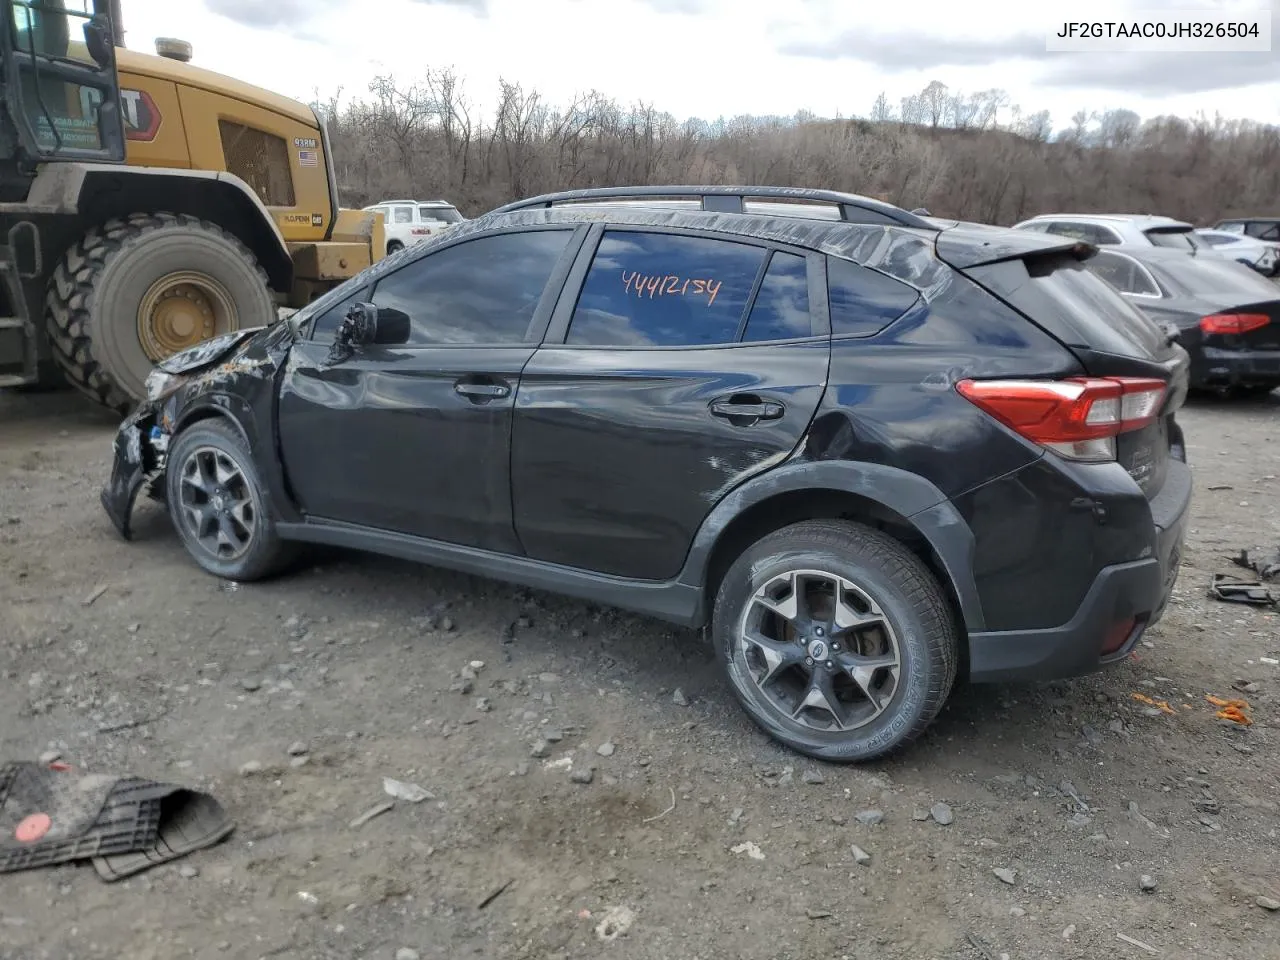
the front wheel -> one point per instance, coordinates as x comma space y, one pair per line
220, 506
394, 246
837, 640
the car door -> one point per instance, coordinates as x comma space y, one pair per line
677, 366
415, 438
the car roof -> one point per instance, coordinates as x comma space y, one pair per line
1140, 220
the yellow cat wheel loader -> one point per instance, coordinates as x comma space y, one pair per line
147, 204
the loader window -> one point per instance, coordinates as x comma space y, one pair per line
261, 160
63, 113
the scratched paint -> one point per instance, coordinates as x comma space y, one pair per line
669, 285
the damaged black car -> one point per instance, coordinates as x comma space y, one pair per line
868, 452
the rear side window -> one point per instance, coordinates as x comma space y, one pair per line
1212, 277
1122, 273
864, 302
1264, 231
781, 308
663, 290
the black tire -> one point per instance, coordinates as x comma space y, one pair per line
1255, 391
913, 604
91, 308
394, 246
265, 553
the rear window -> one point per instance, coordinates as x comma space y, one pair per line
1196, 277
1179, 239
447, 214
1063, 296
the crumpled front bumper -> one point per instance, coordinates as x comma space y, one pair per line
139, 447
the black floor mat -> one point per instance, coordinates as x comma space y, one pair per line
50, 815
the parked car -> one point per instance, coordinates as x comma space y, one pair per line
1266, 229
1107, 229
1226, 317
1244, 249
412, 221
856, 450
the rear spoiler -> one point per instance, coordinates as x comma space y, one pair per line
965, 247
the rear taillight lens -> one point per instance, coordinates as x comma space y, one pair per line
1078, 418
1233, 324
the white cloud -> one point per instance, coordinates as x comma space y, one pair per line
704, 58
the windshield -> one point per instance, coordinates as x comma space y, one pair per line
447, 214
1196, 277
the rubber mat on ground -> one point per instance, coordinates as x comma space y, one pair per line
51, 815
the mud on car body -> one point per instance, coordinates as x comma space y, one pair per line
870, 453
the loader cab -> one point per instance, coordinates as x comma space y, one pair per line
61, 92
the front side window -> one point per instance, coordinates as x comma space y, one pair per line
663, 290
480, 291
441, 214
402, 214
1122, 273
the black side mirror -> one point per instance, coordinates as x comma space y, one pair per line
97, 38
392, 326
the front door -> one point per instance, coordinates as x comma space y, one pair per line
416, 438
688, 365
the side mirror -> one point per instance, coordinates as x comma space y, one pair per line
97, 38
366, 323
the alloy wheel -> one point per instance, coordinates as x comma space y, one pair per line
820, 650
217, 504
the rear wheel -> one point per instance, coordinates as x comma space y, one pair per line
1256, 391
137, 290
220, 506
836, 639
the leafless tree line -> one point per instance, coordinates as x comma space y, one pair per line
973, 156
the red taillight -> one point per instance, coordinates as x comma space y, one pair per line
1078, 418
1233, 324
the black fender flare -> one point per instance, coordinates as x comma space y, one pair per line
239, 413
910, 496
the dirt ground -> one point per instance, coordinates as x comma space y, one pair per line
358, 665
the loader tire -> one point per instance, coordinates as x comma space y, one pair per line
136, 289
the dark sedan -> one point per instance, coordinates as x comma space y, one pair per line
1226, 316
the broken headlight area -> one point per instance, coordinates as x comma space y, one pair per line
141, 449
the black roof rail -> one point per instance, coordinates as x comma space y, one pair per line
853, 208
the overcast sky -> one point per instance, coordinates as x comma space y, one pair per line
711, 58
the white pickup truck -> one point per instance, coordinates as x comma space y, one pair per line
412, 221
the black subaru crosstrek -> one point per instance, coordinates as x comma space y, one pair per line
870, 452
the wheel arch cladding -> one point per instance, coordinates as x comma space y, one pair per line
902, 504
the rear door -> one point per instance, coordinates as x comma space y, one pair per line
688, 364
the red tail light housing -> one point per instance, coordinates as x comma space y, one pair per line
1078, 418
1232, 324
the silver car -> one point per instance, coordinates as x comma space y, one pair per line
1250, 251
1106, 229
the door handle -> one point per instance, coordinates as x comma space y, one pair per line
747, 410
479, 392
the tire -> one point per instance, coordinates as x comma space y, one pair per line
913, 607
98, 289
1255, 391
394, 246
264, 553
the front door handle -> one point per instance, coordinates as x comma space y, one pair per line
480, 392
745, 410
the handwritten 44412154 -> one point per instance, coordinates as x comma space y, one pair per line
669, 285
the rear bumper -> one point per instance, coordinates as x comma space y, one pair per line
1137, 591
1218, 367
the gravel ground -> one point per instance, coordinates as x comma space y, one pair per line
1050, 803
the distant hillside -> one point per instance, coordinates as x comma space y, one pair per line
969, 156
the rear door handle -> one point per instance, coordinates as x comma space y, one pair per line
748, 410
481, 391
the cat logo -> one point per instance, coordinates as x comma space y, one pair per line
141, 115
